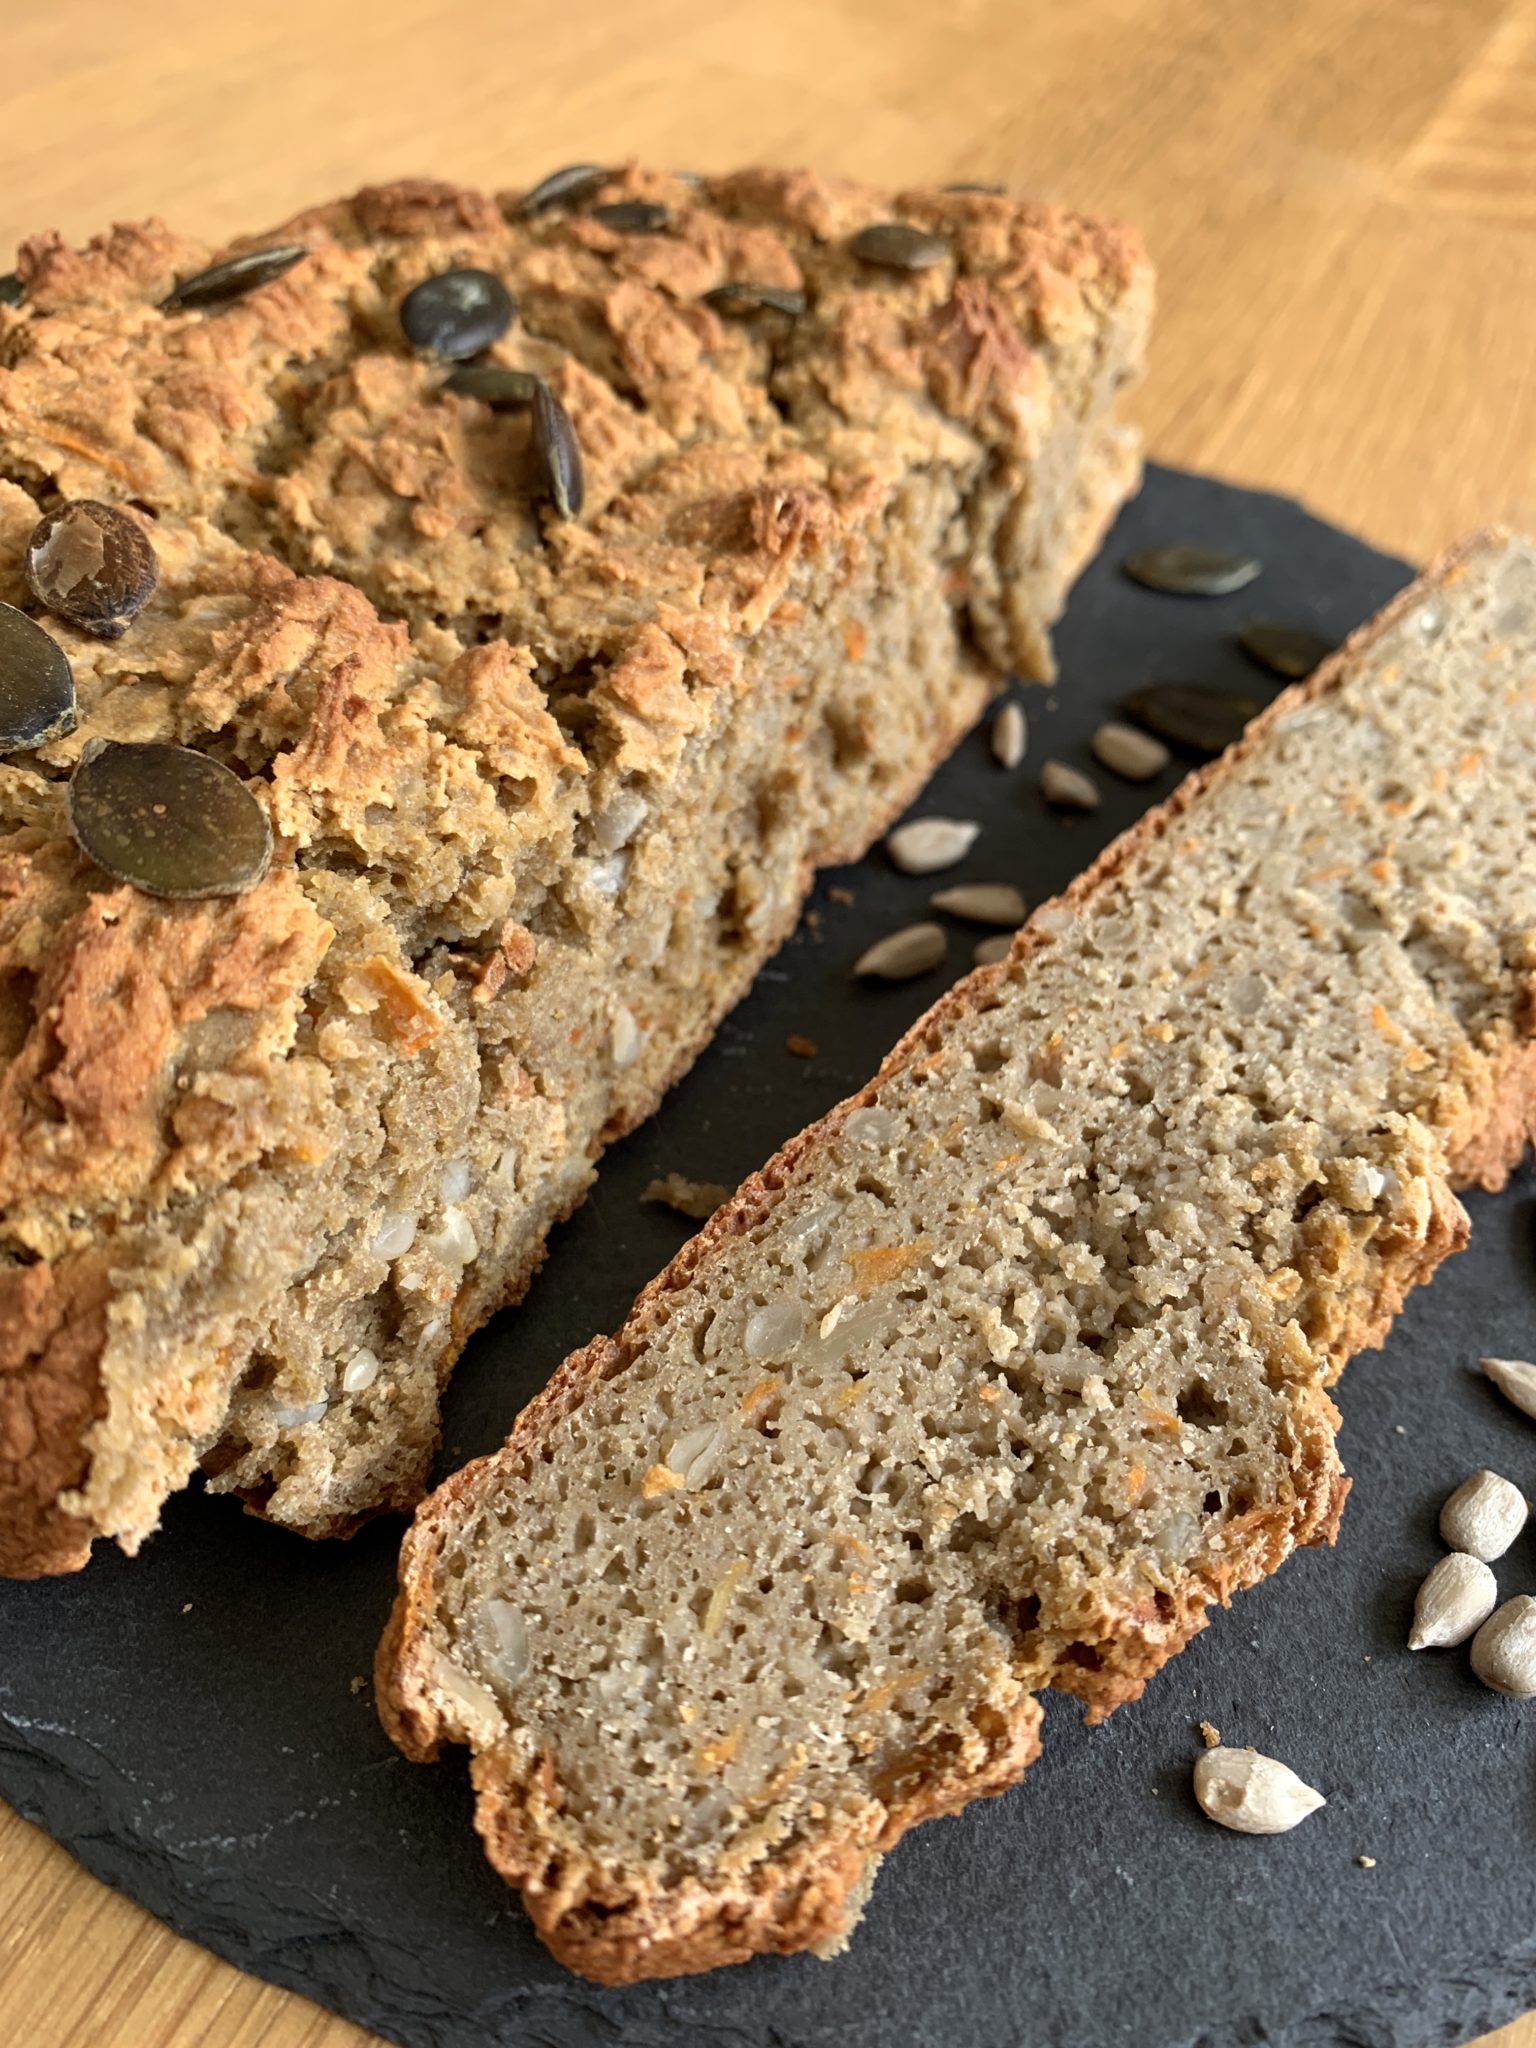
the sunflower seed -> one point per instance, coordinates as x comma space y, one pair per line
1289, 651
983, 903
928, 844
171, 822
1068, 787
457, 313
900, 955
738, 299
12, 290
1010, 736
492, 384
1253, 1794
894, 245
1504, 1649
1453, 1602
1483, 1516
1205, 720
93, 565
971, 185
1187, 569
1125, 751
571, 186
1515, 1380
632, 216
233, 279
554, 438
37, 689
987, 952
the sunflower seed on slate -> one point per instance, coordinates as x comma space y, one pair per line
570, 186
1010, 736
37, 690
93, 565
1515, 1379
1189, 714
554, 438
982, 903
1068, 787
973, 185
914, 950
928, 844
1289, 651
12, 291
632, 216
895, 245
457, 313
987, 952
170, 821
1187, 569
233, 279
1126, 751
738, 299
492, 384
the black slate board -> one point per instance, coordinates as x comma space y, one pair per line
185, 1723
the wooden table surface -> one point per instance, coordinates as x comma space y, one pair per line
1340, 195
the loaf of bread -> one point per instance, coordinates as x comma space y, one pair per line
555, 675
999, 1376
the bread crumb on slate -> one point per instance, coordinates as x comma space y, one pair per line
1210, 1735
838, 894
802, 1048
696, 1198
1366, 1862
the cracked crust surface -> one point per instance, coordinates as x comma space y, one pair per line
544, 793
1364, 853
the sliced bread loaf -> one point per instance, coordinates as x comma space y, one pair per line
548, 768
1000, 1375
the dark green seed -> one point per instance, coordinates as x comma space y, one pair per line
893, 245
737, 300
966, 185
457, 313
12, 291
633, 216
1289, 651
1189, 714
93, 565
554, 439
170, 821
492, 384
232, 280
572, 186
37, 690
1189, 570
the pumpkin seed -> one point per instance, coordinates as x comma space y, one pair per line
492, 384
12, 290
900, 955
1189, 569
93, 565
1125, 751
987, 952
633, 216
1010, 736
170, 821
928, 844
1289, 651
1191, 715
457, 313
1068, 787
982, 903
554, 438
37, 689
570, 186
894, 245
737, 299
222, 282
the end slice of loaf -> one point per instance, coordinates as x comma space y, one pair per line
546, 791
998, 1377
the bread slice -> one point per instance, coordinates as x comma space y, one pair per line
1000, 1375
546, 791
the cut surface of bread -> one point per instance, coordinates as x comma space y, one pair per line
998, 1377
545, 790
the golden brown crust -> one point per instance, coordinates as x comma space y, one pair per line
638, 1932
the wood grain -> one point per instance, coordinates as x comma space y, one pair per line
1340, 194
